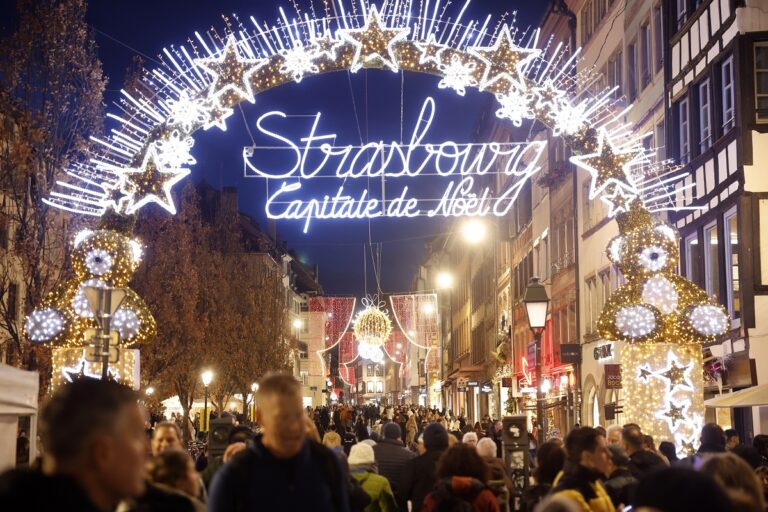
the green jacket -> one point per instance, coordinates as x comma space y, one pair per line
378, 488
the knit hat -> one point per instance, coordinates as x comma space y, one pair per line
435, 437
361, 454
369, 442
391, 431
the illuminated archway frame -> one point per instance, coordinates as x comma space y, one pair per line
200, 84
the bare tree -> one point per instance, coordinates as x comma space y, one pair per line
51, 88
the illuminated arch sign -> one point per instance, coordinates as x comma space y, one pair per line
466, 173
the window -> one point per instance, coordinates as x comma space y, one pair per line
605, 287
729, 110
614, 74
761, 82
693, 258
370, 370
645, 55
586, 23
379, 387
685, 136
705, 124
731, 246
682, 11
658, 38
590, 305
13, 300
304, 377
661, 141
711, 261
379, 370
632, 71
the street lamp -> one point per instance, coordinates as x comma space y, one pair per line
297, 323
473, 231
536, 303
207, 377
254, 389
444, 281
149, 391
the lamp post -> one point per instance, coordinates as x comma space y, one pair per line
445, 283
536, 303
207, 377
254, 389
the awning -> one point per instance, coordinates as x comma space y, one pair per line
750, 397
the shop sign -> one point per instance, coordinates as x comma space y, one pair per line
612, 376
532, 354
603, 351
486, 388
473, 383
461, 390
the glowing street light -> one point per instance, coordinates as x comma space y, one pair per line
444, 281
149, 391
207, 377
297, 323
428, 308
473, 231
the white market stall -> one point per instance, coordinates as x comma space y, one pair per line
18, 398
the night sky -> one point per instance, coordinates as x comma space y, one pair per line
124, 28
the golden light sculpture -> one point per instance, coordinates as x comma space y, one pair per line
663, 319
372, 325
69, 364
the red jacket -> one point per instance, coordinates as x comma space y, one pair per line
465, 488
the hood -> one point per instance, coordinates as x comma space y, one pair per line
462, 486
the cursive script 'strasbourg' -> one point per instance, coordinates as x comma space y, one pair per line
466, 174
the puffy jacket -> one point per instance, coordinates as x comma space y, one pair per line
391, 458
463, 488
582, 485
378, 489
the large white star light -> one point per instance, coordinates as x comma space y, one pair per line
327, 46
231, 72
608, 165
151, 183
374, 42
430, 50
504, 60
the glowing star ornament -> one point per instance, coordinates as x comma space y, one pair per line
457, 75
231, 73
216, 115
515, 107
675, 413
619, 200
430, 51
548, 96
608, 165
326, 46
677, 375
187, 113
505, 61
644, 373
374, 43
299, 61
151, 184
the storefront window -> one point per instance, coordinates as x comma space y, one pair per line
732, 266
711, 261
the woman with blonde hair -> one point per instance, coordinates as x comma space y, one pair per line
737, 479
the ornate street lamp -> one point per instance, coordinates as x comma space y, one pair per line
536, 303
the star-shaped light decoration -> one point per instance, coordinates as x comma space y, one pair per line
374, 43
675, 413
430, 51
547, 96
504, 61
645, 373
676, 375
326, 46
608, 165
151, 183
216, 115
115, 197
618, 200
231, 73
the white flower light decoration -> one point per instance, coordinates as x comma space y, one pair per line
653, 258
43, 324
458, 75
299, 61
635, 321
515, 106
186, 112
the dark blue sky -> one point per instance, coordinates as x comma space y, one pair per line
124, 28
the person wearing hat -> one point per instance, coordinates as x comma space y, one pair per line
391, 458
362, 466
620, 483
420, 473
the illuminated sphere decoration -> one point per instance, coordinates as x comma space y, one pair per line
372, 325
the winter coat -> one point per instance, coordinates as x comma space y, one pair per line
582, 485
410, 428
461, 488
378, 489
159, 497
643, 462
391, 458
32, 491
620, 486
419, 477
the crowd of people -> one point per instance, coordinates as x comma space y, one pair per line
368, 458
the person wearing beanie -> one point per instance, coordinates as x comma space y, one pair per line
620, 483
391, 458
362, 466
420, 473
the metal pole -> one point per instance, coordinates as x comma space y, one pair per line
205, 410
106, 307
539, 395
